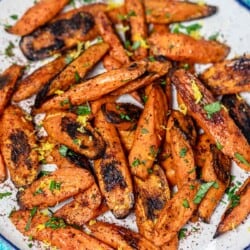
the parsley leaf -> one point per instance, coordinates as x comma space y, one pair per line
14, 17
63, 150
185, 203
9, 49
183, 152
32, 214
182, 233
2, 195
202, 191
241, 159
136, 162
54, 185
212, 108
83, 110
55, 223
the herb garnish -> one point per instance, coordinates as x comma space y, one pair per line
83, 110
202, 191
63, 150
125, 117
182, 233
241, 159
14, 17
183, 152
232, 196
32, 214
55, 223
9, 49
212, 108
136, 162
2, 195
185, 203
54, 185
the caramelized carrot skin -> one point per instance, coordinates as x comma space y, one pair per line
36, 16
8, 80
220, 127
233, 217
63, 237
18, 146
58, 186
180, 47
112, 171
3, 174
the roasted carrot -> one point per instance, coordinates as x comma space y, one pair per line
112, 171
54, 231
127, 138
8, 80
3, 174
55, 187
116, 49
96, 87
135, 9
215, 166
36, 16
111, 63
119, 237
149, 133
175, 214
76, 133
212, 117
229, 76
31, 84
180, 47
236, 213
85, 207
18, 146
78, 69
165, 12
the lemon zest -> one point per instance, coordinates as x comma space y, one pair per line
196, 92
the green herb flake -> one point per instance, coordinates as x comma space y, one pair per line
126, 17
77, 77
38, 191
216, 185
43, 173
30, 245
144, 131
136, 45
32, 214
148, 11
183, 152
9, 49
167, 15
63, 150
186, 66
182, 233
152, 151
144, 98
151, 59
54, 185
214, 37
241, 159
185, 203
212, 108
6, 194
64, 102
84, 109
136, 162
232, 196
127, 44
55, 223
125, 117
14, 17
163, 82
218, 145
202, 191
7, 26
68, 59
150, 170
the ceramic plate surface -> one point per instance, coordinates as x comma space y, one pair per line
232, 22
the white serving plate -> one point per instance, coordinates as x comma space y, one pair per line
232, 22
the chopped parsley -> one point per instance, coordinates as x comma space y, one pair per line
38, 191
126, 17
68, 59
180, 28
232, 196
54, 185
14, 17
144, 131
151, 59
183, 152
241, 159
214, 37
163, 82
32, 214
83, 110
63, 150
136, 162
2, 195
182, 233
185, 203
218, 145
55, 223
43, 173
153, 151
77, 77
9, 49
150, 170
125, 117
136, 45
202, 191
212, 108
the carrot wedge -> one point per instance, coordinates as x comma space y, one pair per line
8, 81
31, 84
215, 166
212, 118
149, 133
180, 47
112, 171
36, 16
18, 146
116, 49
138, 28
236, 215
119, 237
96, 87
175, 214
228, 77
56, 187
54, 231
166, 12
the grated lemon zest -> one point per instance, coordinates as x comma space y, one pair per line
183, 108
143, 42
59, 92
196, 92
